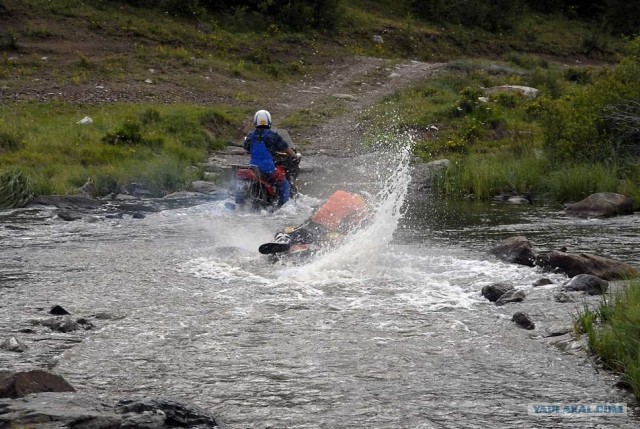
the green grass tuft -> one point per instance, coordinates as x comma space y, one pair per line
15, 189
613, 332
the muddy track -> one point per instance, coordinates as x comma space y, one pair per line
342, 95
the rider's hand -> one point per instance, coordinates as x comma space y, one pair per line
298, 155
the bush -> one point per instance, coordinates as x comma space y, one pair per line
296, 15
597, 122
130, 134
15, 189
494, 15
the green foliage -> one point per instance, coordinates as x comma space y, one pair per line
527, 61
184, 8
485, 175
8, 41
573, 183
4, 10
619, 16
129, 133
581, 76
126, 143
613, 332
593, 123
494, 15
9, 142
15, 189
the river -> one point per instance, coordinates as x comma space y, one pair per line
386, 331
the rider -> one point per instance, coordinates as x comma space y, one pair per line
263, 143
340, 214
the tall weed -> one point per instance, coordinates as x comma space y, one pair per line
572, 183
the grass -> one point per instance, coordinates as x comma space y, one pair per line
497, 141
154, 145
613, 333
54, 45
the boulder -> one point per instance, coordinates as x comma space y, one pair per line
493, 292
61, 324
69, 216
19, 384
586, 283
178, 413
526, 91
542, 282
511, 296
604, 204
57, 310
511, 199
67, 202
184, 195
515, 250
204, 187
523, 320
13, 344
584, 263
66, 409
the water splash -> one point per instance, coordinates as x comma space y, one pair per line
359, 255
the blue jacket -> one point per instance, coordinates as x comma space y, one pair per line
262, 144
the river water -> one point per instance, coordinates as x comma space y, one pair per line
386, 331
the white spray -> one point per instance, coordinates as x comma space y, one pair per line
359, 255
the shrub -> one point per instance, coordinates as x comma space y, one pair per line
130, 134
584, 127
150, 116
496, 15
578, 75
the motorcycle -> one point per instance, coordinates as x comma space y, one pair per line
251, 189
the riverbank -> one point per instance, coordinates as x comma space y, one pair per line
122, 65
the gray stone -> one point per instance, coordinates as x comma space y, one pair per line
66, 409
516, 250
57, 310
603, 204
61, 324
20, 384
523, 320
586, 283
66, 202
511, 296
584, 263
493, 292
69, 216
13, 344
204, 187
526, 91
542, 282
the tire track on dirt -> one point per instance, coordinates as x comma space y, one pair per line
339, 97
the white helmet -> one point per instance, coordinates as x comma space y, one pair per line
262, 118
